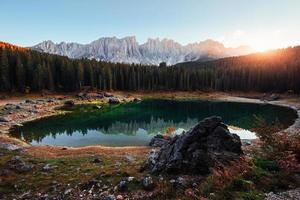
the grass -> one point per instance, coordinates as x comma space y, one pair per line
66, 171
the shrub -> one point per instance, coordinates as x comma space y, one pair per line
282, 147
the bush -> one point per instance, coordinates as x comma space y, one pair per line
266, 164
282, 147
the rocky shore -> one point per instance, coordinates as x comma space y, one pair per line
22, 111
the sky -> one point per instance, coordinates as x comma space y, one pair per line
262, 24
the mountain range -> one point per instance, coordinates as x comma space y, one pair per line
152, 52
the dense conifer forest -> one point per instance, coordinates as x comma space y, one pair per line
23, 69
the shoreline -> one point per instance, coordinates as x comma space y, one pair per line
5, 139
293, 128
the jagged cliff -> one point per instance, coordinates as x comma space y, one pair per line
154, 51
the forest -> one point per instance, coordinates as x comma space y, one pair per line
24, 70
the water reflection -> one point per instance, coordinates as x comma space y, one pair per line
135, 123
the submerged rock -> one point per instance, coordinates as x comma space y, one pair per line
207, 144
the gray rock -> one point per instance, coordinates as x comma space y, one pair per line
208, 144
97, 160
274, 97
68, 191
114, 100
30, 101
10, 147
97, 107
51, 101
17, 163
129, 158
130, 178
180, 182
122, 186
147, 183
81, 94
18, 107
48, 167
110, 197
4, 119
159, 141
106, 94
69, 103
293, 194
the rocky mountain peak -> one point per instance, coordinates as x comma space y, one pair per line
153, 52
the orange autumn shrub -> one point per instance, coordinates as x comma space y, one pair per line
280, 146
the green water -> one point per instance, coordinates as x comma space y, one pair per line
135, 123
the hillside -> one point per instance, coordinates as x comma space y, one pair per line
276, 71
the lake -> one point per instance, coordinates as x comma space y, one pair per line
135, 123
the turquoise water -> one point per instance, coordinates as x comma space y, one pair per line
135, 123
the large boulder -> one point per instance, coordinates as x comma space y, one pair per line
159, 141
206, 145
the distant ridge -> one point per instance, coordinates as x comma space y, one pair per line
11, 46
152, 52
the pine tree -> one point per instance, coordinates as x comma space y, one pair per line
4, 72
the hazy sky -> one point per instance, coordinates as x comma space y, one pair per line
259, 23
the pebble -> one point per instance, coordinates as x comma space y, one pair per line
122, 186
120, 197
287, 195
148, 183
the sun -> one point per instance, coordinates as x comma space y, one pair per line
263, 44
264, 41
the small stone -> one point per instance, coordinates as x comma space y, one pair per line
97, 107
106, 94
189, 193
29, 101
148, 183
120, 197
18, 107
110, 197
68, 191
17, 163
130, 178
69, 103
4, 119
97, 160
48, 167
114, 100
130, 159
122, 186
